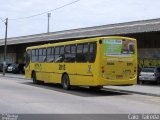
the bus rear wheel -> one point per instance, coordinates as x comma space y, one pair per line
65, 82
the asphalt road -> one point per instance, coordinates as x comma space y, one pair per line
22, 96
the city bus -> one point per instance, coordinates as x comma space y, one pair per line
92, 62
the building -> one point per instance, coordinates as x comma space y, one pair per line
147, 32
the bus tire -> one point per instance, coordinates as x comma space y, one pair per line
96, 88
65, 82
34, 78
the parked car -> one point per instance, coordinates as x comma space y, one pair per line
13, 68
149, 74
16, 68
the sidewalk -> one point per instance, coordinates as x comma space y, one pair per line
153, 90
10, 75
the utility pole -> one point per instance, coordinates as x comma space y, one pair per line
49, 15
5, 47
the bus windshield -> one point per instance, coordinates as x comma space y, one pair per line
118, 47
27, 58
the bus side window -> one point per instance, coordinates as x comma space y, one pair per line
82, 53
85, 52
34, 55
67, 53
73, 53
44, 55
50, 54
37, 55
40, 55
57, 51
53, 53
59, 54
79, 56
92, 52
70, 55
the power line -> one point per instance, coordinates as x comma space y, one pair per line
46, 11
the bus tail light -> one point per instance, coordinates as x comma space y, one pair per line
135, 69
102, 69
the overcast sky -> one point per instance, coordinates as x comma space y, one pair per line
85, 13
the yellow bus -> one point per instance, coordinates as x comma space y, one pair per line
93, 62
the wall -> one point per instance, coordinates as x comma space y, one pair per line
10, 58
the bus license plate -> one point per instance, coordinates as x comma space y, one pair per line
119, 76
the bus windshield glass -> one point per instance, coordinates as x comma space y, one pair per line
119, 47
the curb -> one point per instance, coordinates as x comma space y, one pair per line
135, 92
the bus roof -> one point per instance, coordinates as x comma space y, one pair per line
79, 41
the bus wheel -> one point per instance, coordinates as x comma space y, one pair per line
96, 87
34, 78
65, 82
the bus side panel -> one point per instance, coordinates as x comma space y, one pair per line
54, 75
83, 81
28, 74
45, 72
39, 75
82, 74
72, 79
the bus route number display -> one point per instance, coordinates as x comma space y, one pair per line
62, 67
